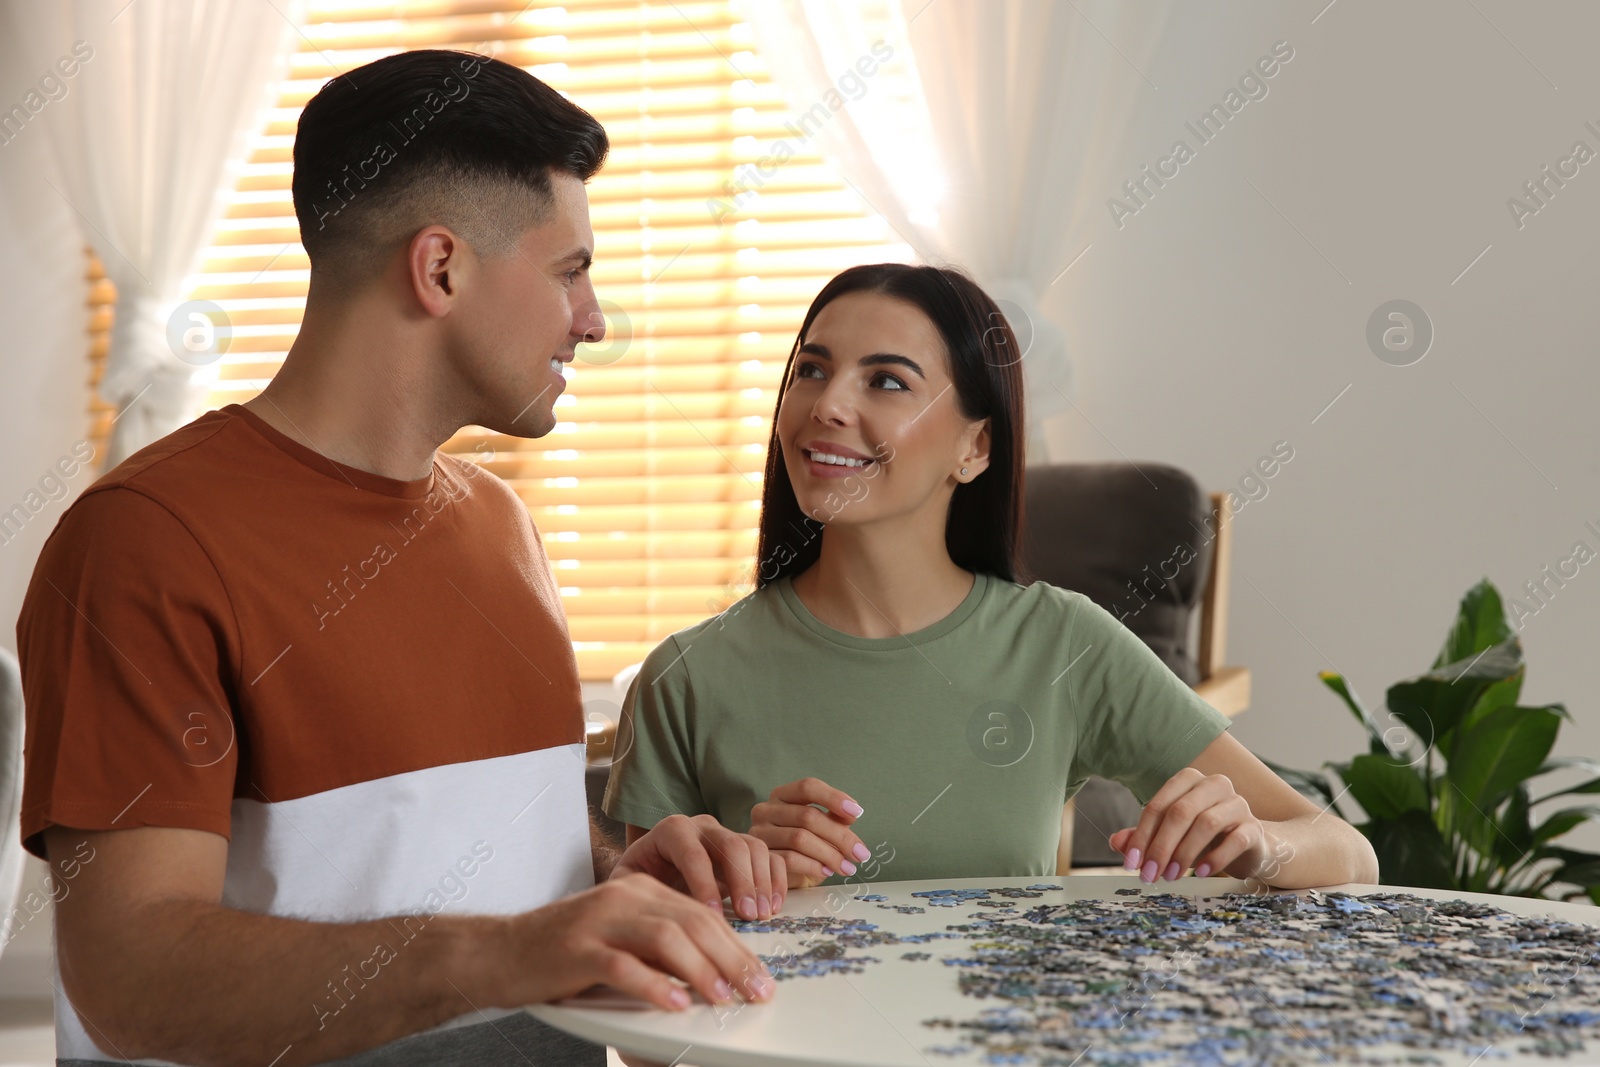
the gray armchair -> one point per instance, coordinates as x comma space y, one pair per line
1113, 532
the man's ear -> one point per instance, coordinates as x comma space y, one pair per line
975, 456
437, 262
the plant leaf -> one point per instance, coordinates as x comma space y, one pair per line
1411, 852
1480, 623
1560, 822
1434, 704
1577, 868
1376, 743
1496, 695
1516, 837
1591, 786
1501, 749
1385, 787
1308, 784
1560, 763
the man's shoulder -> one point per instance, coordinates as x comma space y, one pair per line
144, 491
194, 450
481, 481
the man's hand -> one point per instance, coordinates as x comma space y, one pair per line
812, 843
701, 857
158, 968
1194, 819
636, 935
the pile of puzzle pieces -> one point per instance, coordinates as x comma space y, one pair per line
1386, 978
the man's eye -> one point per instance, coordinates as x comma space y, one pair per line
572, 275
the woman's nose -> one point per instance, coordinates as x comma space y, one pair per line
832, 406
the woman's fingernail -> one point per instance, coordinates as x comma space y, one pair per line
1148, 873
776, 902
827, 872
1130, 862
1171, 873
678, 999
723, 990
861, 852
852, 809
747, 907
1202, 870
715, 905
847, 867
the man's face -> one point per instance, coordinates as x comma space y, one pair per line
527, 312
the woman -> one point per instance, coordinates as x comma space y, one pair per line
890, 695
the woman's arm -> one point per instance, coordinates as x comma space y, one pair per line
1227, 811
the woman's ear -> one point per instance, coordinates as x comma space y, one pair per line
974, 455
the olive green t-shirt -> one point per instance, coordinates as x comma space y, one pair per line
961, 741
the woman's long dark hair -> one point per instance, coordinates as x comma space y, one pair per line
985, 520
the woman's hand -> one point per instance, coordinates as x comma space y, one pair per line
699, 856
814, 844
1194, 820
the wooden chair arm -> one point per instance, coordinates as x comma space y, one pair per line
1228, 690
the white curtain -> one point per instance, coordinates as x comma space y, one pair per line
986, 137
146, 132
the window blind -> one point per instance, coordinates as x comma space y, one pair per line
647, 492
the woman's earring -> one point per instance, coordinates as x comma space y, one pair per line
963, 470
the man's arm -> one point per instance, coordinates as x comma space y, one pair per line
157, 967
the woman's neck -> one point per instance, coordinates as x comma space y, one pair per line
871, 585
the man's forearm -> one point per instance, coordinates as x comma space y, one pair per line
1315, 850
207, 984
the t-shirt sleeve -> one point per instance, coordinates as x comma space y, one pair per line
1136, 722
653, 773
126, 640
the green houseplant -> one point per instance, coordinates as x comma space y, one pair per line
1446, 789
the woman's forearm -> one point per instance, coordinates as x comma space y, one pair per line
1314, 850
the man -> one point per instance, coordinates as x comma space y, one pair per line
305, 745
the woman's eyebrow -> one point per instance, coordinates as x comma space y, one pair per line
878, 358
812, 348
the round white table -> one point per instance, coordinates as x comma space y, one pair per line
877, 1017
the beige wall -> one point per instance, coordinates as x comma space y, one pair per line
1213, 324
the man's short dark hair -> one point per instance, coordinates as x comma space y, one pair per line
431, 137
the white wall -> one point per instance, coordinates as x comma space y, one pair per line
1210, 326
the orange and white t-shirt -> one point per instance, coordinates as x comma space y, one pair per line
366, 684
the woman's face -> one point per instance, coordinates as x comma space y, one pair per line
869, 423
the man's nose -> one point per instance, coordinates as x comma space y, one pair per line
591, 327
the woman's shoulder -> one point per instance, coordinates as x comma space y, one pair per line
1039, 597
726, 628
1044, 608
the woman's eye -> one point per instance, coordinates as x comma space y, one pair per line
889, 382
808, 370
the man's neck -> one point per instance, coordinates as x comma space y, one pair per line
357, 397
